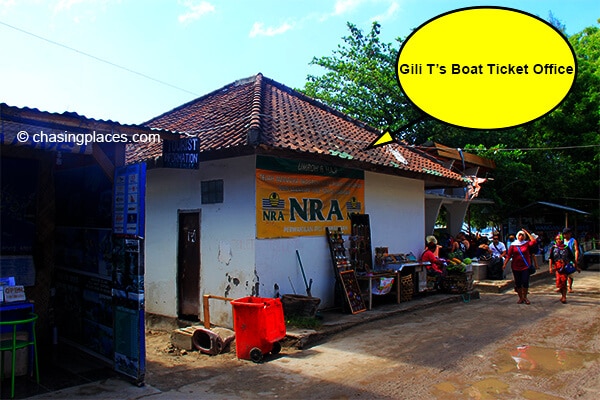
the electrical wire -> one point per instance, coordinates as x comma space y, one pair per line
341, 136
233, 122
535, 148
98, 59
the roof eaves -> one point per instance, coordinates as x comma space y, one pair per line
68, 120
459, 154
552, 205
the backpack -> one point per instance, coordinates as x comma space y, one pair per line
571, 245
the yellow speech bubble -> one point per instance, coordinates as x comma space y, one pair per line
485, 68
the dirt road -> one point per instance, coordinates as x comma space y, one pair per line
489, 348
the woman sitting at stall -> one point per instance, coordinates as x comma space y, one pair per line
436, 265
461, 245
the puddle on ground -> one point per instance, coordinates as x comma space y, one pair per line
446, 387
526, 360
485, 389
541, 361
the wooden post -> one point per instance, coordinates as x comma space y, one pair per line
206, 307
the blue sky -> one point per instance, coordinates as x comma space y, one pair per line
131, 60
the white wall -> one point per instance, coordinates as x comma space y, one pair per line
233, 262
227, 234
161, 233
396, 208
279, 269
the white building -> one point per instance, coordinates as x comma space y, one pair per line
271, 168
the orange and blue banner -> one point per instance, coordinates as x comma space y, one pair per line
301, 198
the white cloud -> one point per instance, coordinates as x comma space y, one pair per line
346, 6
388, 13
195, 10
258, 29
343, 7
5, 5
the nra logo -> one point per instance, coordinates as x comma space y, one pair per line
306, 209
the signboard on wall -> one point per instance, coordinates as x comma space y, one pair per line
129, 200
181, 153
128, 272
302, 198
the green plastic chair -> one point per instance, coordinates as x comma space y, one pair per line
13, 344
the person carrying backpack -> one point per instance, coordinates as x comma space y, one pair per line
560, 261
572, 243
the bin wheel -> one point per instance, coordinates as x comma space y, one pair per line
276, 348
256, 355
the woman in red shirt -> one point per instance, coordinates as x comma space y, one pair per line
520, 253
435, 269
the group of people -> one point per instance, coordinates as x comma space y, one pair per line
563, 259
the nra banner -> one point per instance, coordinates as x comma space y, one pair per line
302, 198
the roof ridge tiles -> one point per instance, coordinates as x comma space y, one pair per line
227, 87
255, 126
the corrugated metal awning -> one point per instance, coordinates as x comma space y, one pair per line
552, 205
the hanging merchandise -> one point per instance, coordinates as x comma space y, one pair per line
361, 256
347, 293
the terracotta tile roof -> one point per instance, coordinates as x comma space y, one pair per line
69, 120
259, 115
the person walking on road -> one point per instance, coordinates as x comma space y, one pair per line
520, 254
572, 244
560, 258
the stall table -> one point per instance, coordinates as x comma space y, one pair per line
372, 277
411, 268
397, 272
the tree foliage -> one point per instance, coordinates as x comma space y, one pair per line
555, 158
360, 81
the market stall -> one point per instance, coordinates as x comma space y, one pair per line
360, 276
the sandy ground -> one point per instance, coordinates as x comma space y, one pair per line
490, 348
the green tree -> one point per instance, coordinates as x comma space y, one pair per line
565, 165
555, 158
360, 81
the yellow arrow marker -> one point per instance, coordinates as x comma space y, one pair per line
381, 140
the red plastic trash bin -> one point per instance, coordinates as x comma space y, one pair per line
259, 326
